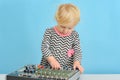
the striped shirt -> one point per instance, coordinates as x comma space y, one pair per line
56, 45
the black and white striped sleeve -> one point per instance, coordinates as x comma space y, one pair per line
46, 44
77, 48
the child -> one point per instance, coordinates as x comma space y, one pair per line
61, 45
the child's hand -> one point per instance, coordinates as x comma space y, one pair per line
76, 64
53, 62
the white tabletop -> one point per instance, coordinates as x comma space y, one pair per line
100, 77
87, 77
2, 76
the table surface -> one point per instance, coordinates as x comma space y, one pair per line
87, 77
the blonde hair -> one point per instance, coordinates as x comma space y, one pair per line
66, 14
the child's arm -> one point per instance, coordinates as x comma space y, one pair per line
78, 54
53, 62
46, 50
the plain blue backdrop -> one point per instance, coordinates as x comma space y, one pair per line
23, 22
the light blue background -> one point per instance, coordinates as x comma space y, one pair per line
23, 22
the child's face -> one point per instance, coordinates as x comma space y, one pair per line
65, 29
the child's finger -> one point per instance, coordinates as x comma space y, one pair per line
56, 67
74, 67
81, 69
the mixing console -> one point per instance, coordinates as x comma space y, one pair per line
38, 72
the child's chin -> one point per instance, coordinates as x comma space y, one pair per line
65, 33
